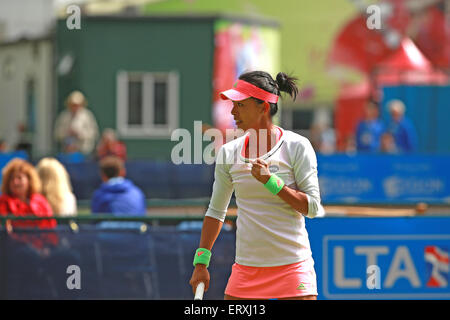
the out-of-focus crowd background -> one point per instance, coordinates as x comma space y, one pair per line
126, 74
91, 91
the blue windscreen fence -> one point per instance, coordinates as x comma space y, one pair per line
410, 257
114, 263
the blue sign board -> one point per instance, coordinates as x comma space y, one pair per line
384, 179
381, 258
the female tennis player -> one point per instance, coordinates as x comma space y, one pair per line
273, 173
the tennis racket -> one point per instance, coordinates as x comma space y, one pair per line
199, 291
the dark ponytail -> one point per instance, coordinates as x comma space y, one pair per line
263, 80
287, 84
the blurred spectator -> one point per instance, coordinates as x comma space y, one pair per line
369, 131
387, 144
401, 128
56, 187
117, 195
21, 196
24, 142
76, 128
110, 146
323, 137
350, 145
3, 146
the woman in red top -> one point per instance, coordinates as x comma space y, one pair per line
21, 196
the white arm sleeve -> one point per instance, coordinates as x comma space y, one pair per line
305, 171
222, 189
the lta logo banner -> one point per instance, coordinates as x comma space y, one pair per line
437, 266
381, 258
406, 266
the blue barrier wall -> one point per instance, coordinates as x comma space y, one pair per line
157, 264
161, 180
381, 179
343, 179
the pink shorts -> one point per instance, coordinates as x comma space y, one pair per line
292, 280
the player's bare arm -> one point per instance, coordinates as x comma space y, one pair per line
210, 231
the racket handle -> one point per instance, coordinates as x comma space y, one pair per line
199, 291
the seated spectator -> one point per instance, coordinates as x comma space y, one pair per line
401, 128
3, 146
387, 144
350, 145
21, 196
76, 128
369, 131
110, 146
117, 195
323, 137
25, 138
56, 187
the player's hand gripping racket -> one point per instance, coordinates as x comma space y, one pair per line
199, 291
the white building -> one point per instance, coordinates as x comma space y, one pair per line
26, 92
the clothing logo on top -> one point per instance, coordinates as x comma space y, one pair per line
273, 168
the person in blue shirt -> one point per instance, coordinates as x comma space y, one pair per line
117, 195
369, 130
401, 128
